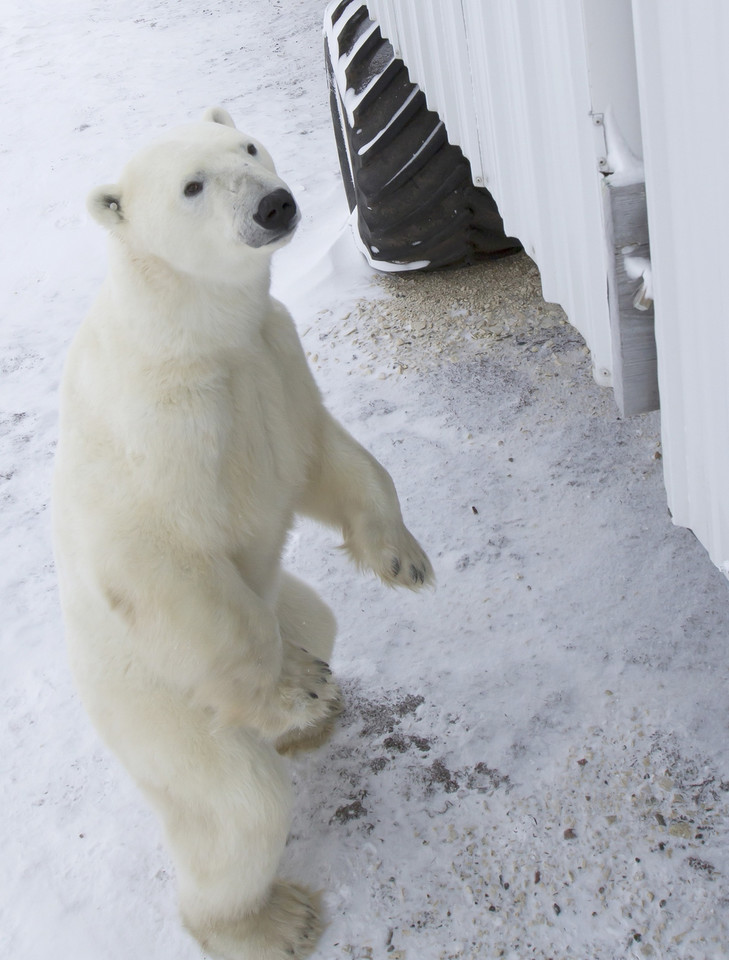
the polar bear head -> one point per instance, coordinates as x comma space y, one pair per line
204, 199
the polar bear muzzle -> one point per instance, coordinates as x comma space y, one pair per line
277, 213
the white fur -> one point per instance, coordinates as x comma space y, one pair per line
192, 432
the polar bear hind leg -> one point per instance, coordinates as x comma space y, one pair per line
226, 819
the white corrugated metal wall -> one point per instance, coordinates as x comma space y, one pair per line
683, 76
522, 86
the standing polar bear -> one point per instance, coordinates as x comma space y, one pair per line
191, 434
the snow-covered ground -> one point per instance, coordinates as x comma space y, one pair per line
534, 759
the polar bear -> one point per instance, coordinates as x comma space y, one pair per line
191, 434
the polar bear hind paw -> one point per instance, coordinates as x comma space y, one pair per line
287, 927
293, 914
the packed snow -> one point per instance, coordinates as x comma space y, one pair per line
534, 758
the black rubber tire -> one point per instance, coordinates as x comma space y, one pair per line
413, 190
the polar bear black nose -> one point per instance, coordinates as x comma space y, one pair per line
276, 210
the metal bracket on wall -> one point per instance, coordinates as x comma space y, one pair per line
598, 122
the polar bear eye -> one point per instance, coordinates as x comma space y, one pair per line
252, 149
193, 188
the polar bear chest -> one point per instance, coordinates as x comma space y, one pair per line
210, 453
229, 445
265, 457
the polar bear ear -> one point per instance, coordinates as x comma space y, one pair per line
105, 206
219, 115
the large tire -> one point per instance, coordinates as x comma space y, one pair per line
417, 206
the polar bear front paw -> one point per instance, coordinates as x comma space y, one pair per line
393, 553
308, 694
408, 564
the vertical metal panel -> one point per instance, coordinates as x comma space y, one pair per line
610, 48
510, 80
683, 74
